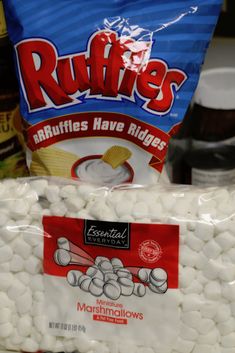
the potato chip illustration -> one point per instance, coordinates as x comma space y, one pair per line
116, 156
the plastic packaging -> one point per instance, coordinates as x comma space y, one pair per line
104, 87
198, 303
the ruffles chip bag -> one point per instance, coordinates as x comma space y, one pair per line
104, 85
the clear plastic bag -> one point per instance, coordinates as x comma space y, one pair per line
200, 307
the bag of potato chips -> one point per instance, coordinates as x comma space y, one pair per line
104, 87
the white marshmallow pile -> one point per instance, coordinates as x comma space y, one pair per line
207, 260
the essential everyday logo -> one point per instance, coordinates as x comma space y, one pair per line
112, 68
115, 235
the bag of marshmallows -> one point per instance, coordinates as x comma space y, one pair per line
127, 269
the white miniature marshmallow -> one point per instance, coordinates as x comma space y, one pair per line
110, 275
16, 289
19, 208
33, 265
194, 287
212, 269
140, 210
24, 325
5, 315
191, 302
16, 338
206, 325
158, 276
6, 280
96, 287
227, 273
58, 209
139, 289
24, 303
112, 289
6, 253
194, 242
210, 338
94, 271
226, 240
212, 249
5, 329
85, 284
188, 333
73, 277
123, 273
24, 277
213, 290
98, 259
209, 309
124, 208
143, 274
183, 346
204, 231
228, 340
201, 261
5, 268
29, 345
52, 193
40, 323
62, 257
191, 318
228, 291
226, 327
38, 251
105, 266
68, 191
127, 286
48, 342
116, 263
223, 313
16, 263
82, 278
75, 203
158, 289
5, 302
188, 257
186, 277
39, 185
21, 248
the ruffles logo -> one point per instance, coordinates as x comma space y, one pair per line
112, 68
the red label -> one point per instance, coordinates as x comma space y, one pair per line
102, 124
52, 80
74, 244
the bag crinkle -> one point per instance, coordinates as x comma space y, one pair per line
105, 84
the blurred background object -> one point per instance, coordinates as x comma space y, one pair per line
203, 151
12, 157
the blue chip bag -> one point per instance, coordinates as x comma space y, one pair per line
104, 85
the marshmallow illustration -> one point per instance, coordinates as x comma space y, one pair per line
112, 289
73, 277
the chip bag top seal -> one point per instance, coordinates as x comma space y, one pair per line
104, 87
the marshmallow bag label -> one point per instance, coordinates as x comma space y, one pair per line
97, 80
116, 277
